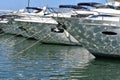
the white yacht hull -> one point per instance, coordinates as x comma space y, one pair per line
100, 38
41, 32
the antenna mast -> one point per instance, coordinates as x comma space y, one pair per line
28, 5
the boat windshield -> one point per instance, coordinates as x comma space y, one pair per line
35, 9
95, 5
73, 7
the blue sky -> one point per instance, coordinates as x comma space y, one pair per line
20, 4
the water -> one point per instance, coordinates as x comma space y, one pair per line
51, 62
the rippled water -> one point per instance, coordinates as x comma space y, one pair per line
51, 62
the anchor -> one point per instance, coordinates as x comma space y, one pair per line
59, 28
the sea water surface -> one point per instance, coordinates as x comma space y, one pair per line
19, 61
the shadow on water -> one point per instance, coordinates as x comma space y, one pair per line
52, 62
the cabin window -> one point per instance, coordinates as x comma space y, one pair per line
109, 33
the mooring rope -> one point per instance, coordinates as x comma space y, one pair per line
16, 35
20, 52
33, 44
28, 37
4, 32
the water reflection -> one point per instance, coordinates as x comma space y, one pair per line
102, 69
51, 62
43, 62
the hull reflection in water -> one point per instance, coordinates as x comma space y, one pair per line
42, 61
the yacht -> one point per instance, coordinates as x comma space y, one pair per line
38, 26
6, 18
100, 34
